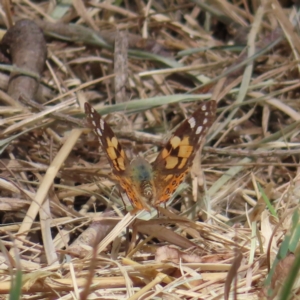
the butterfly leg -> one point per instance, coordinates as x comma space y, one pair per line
121, 196
133, 241
158, 213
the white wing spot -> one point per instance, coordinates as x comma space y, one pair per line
204, 121
203, 107
94, 123
99, 131
206, 113
199, 129
101, 124
92, 110
192, 122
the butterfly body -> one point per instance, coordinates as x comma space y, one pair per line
140, 172
148, 184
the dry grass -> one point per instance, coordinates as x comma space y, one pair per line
63, 221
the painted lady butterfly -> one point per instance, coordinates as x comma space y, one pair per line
152, 184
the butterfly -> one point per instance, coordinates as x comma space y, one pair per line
148, 185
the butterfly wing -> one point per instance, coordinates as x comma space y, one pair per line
176, 158
115, 154
108, 141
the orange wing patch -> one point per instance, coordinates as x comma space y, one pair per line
132, 194
177, 156
116, 153
173, 182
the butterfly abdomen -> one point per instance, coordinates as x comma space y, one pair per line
147, 189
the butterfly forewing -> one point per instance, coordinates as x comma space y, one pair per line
175, 159
108, 141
